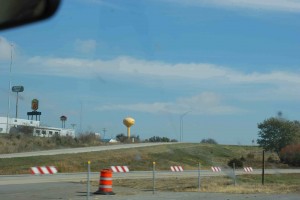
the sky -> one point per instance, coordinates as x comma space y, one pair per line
220, 66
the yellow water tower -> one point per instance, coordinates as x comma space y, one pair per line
128, 122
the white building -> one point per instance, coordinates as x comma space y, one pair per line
7, 124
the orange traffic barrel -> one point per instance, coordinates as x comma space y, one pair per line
105, 182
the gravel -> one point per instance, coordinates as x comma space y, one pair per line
76, 191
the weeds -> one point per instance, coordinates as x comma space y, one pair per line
247, 184
14, 143
138, 159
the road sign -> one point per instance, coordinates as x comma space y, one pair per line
17, 88
34, 104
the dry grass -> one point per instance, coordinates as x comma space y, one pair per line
14, 143
216, 184
138, 159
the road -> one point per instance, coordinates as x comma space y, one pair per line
77, 191
78, 177
80, 150
68, 186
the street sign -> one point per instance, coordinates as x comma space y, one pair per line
34, 104
17, 88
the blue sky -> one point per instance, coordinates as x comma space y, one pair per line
231, 64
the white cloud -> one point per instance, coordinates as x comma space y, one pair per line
273, 5
66, 67
204, 103
271, 77
229, 83
129, 67
5, 49
85, 46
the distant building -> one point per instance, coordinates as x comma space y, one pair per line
109, 140
8, 125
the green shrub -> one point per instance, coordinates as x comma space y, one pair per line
238, 163
272, 159
250, 156
242, 159
208, 141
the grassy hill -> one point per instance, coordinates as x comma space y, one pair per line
187, 155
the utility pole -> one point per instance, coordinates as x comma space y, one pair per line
9, 86
17, 89
263, 169
104, 130
80, 120
181, 125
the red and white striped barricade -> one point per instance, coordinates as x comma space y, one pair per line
119, 169
176, 168
216, 169
248, 169
44, 170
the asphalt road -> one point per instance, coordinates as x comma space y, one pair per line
78, 177
79, 150
69, 186
77, 191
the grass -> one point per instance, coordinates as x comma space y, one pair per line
246, 184
14, 143
188, 155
